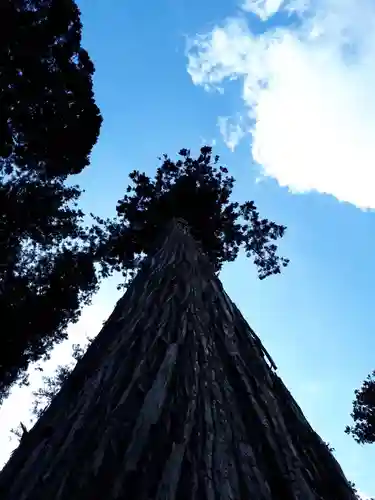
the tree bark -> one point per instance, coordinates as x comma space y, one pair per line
175, 399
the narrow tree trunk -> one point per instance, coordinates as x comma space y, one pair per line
175, 399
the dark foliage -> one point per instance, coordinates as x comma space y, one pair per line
47, 273
197, 190
329, 447
355, 491
52, 385
20, 431
363, 430
49, 123
48, 119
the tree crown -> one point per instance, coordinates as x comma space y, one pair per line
363, 430
197, 190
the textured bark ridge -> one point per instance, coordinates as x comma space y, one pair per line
175, 399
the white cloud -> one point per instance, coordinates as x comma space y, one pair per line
262, 8
308, 93
231, 130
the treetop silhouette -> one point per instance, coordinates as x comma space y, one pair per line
199, 191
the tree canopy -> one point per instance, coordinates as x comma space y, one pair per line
198, 190
363, 415
48, 118
49, 123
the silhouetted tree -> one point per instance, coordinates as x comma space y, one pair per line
52, 384
49, 123
199, 191
48, 119
355, 491
176, 398
363, 430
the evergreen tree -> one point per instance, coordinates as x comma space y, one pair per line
363, 415
176, 398
199, 191
49, 123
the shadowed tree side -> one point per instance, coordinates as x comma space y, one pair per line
176, 398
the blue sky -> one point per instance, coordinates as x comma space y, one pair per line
300, 145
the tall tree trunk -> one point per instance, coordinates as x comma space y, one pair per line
175, 399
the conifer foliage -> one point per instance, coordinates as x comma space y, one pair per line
49, 123
199, 191
48, 119
363, 415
